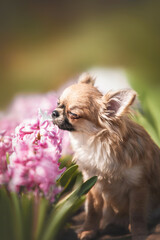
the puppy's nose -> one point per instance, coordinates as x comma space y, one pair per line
55, 114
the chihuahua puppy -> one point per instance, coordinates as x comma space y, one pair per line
108, 144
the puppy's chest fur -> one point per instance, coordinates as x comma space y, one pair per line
96, 157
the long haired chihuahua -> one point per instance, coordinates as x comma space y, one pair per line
108, 144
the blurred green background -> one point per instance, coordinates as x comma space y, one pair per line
45, 43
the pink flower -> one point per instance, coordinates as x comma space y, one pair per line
66, 145
5, 148
34, 145
24, 107
34, 162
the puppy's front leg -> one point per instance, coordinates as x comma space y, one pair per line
93, 208
139, 198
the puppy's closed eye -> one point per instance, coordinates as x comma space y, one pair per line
73, 115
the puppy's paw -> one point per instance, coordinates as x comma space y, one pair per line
87, 235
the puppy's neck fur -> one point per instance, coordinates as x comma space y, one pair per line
97, 150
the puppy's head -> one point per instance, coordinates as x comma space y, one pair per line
83, 108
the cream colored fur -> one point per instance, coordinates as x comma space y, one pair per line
109, 144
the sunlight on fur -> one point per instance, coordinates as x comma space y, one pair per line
109, 144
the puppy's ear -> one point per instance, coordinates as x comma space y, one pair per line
87, 79
117, 103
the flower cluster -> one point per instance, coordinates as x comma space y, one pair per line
22, 108
34, 161
5, 148
32, 146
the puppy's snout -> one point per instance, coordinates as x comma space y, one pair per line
55, 114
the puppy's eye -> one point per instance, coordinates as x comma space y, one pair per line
73, 115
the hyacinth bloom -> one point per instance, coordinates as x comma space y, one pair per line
23, 108
5, 148
33, 143
34, 161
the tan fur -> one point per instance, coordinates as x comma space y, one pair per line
107, 143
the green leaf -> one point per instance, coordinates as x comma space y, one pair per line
65, 161
7, 231
86, 186
66, 176
18, 227
79, 181
57, 220
27, 202
78, 204
66, 208
72, 183
41, 211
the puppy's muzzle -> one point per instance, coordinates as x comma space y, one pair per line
61, 121
55, 114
